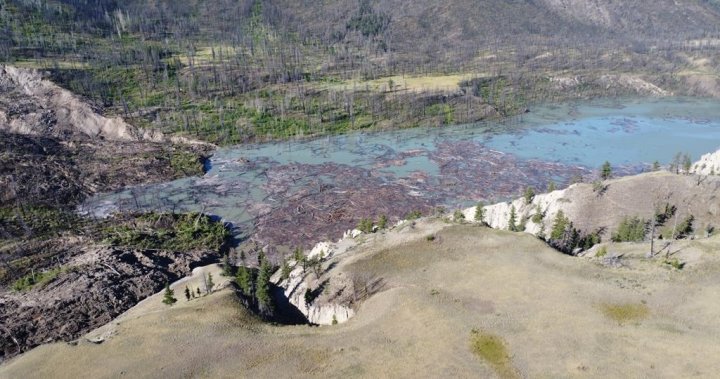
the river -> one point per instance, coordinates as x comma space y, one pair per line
296, 193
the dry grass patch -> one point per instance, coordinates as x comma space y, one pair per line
492, 349
623, 313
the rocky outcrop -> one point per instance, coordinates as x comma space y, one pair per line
709, 164
89, 291
323, 298
601, 207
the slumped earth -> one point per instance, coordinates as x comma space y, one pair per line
300, 192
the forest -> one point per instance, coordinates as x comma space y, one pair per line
235, 71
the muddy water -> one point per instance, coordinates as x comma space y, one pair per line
295, 193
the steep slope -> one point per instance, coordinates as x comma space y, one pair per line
602, 207
33, 105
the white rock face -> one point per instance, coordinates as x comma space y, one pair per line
709, 164
321, 311
497, 216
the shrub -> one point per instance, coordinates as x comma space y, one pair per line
631, 229
458, 216
601, 252
480, 212
675, 263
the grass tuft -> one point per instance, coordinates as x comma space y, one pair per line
623, 313
492, 349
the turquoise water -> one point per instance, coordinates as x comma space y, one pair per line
419, 168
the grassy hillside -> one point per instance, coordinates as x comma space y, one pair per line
472, 302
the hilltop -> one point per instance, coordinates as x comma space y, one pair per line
471, 301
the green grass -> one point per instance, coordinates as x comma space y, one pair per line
624, 313
166, 231
36, 221
186, 163
492, 349
39, 279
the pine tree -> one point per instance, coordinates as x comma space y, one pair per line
529, 195
656, 166
551, 186
198, 292
382, 222
559, 226
285, 270
512, 222
168, 297
244, 280
262, 291
606, 171
187, 293
210, 284
480, 212
227, 269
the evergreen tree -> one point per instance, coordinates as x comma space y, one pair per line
529, 195
169, 296
382, 222
227, 269
656, 166
687, 163
187, 293
512, 223
262, 291
480, 212
551, 186
606, 171
198, 292
285, 270
559, 226
244, 280
210, 284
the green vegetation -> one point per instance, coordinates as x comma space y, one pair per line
623, 313
674, 263
492, 349
602, 252
458, 216
512, 222
168, 231
480, 212
631, 229
366, 225
244, 279
36, 221
606, 171
169, 295
186, 163
566, 238
538, 216
39, 279
414, 215
529, 195
382, 222
262, 289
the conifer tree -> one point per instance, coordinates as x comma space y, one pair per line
169, 296
480, 212
512, 222
262, 291
187, 293
606, 171
244, 280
